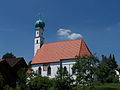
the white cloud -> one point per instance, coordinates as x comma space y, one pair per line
63, 32
74, 36
67, 34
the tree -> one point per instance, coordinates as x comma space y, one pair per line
7, 87
112, 77
4, 85
22, 79
103, 69
8, 55
40, 83
2, 82
112, 62
29, 64
85, 70
106, 69
63, 80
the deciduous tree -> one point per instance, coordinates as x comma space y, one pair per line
8, 55
85, 70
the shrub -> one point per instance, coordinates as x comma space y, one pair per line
39, 83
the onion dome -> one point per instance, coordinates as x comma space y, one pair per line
40, 23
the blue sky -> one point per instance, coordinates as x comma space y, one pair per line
98, 21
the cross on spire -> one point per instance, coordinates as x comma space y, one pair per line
40, 16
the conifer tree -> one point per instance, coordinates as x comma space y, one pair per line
106, 70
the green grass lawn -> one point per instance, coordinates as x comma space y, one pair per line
108, 86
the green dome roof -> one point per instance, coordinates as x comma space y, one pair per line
40, 23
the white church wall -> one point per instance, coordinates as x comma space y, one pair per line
37, 33
36, 45
117, 73
37, 40
68, 64
35, 67
54, 67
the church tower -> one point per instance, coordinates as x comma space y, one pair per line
39, 39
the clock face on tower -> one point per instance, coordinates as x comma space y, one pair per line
37, 33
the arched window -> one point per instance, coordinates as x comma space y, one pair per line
39, 71
49, 71
65, 68
73, 71
37, 41
37, 32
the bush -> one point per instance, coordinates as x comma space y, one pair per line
40, 83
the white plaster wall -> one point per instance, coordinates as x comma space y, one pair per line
68, 64
36, 45
39, 38
117, 73
37, 33
40, 32
35, 41
54, 68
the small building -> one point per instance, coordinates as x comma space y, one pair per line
48, 57
7, 73
9, 69
16, 64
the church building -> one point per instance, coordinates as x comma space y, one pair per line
49, 56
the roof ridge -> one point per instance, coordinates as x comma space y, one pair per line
63, 41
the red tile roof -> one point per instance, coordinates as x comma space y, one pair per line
13, 61
1, 60
29, 71
54, 52
118, 67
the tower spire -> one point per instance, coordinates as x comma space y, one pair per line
39, 39
40, 16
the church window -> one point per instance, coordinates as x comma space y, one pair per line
65, 68
39, 71
49, 71
45, 67
37, 32
37, 41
